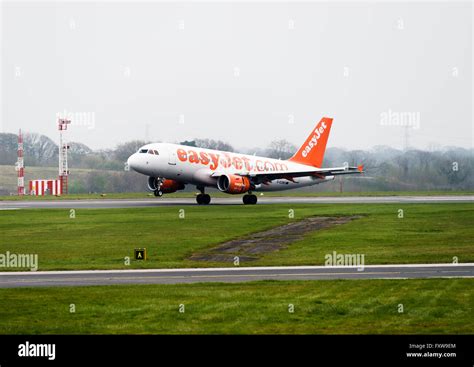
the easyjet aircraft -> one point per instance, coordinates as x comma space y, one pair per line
170, 167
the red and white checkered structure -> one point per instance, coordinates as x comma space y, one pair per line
45, 187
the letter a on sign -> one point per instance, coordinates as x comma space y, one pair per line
140, 254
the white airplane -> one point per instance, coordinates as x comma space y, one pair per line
170, 167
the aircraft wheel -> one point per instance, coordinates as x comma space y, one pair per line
199, 199
249, 199
158, 193
206, 199
203, 199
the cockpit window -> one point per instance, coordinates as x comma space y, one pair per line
143, 150
156, 152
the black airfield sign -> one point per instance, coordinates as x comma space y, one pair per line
140, 254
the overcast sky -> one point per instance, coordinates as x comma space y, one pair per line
246, 73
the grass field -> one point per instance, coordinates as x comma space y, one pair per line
102, 238
434, 306
215, 193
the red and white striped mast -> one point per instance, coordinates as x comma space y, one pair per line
20, 166
63, 148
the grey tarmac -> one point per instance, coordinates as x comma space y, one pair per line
231, 275
236, 200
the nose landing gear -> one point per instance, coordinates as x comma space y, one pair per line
154, 184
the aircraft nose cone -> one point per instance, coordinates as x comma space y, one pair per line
132, 161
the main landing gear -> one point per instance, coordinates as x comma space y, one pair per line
249, 199
158, 193
202, 198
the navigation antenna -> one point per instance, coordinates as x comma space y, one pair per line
20, 166
63, 148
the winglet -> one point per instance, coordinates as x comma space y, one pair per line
360, 168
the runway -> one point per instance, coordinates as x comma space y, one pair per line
154, 202
231, 275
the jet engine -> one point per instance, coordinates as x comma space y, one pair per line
233, 184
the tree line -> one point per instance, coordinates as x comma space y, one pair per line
449, 168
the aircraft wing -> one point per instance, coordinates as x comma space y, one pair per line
289, 175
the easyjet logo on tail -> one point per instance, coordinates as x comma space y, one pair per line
314, 140
312, 151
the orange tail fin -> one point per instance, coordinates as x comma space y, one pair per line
312, 151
